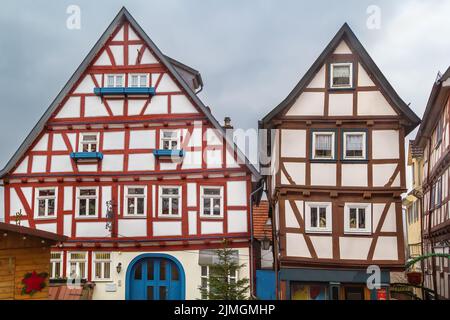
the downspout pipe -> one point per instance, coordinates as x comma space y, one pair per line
252, 262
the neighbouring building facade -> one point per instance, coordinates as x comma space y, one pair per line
336, 175
433, 138
132, 167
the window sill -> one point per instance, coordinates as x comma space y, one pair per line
323, 160
126, 216
360, 233
102, 280
211, 217
169, 217
45, 218
331, 89
319, 231
86, 217
355, 161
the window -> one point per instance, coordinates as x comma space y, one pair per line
354, 145
207, 274
323, 145
211, 203
318, 217
170, 140
358, 218
138, 80
439, 192
87, 202
341, 75
77, 265
46, 203
88, 142
135, 201
170, 201
56, 265
114, 80
102, 265
438, 133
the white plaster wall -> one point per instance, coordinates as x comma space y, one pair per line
49, 227
237, 193
158, 105
133, 53
67, 225
58, 143
297, 172
91, 229
68, 197
214, 158
103, 60
386, 249
112, 162
385, 144
181, 104
382, 173
323, 245
291, 220
119, 35
293, 143
390, 223
117, 52
167, 165
61, 164
296, 246
114, 140
192, 194
142, 139
167, 84
192, 160
308, 104
106, 196
86, 85
39, 164
230, 161
116, 107
372, 103
340, 104
133, 227
148, 58
364, 79
213, 137
188, 260
141, 162
94, 107
354, 248
71, 109
195, 139
319, 79
323, 174
237, 221
192, 222
23, 166
135, 106
354, 175
166, 228
342, 48
87, 167
42, 144
211, 227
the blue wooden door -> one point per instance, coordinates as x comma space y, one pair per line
155, 279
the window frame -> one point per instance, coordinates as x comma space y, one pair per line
221, 197
139, 75
161, 138
53, 261
97, 141
368, 212
95, 260
206, 277
77, 261
333, 133
339, 64
125, 204
329, 217
160, 201
77, 203
115, 75
364, 156
36, 203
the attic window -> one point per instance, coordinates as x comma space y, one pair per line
341, 75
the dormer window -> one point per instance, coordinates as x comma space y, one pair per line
88, 142
114, 80
138, 80
170, 140
341, 75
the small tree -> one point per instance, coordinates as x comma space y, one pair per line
221, 285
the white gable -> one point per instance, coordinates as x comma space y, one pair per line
85, 86
103, 60
342, 48
58, 143
167, 85
23, 166
42, 144
132, 35
309, 103
148, 58
319, 79
71, 109
181, 104
117, 52
119, 35
364, 78
371, 103
133, 51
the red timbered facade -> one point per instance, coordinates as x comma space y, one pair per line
132, 167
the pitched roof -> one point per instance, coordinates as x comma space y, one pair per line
170, 64
346, 33
439, 92
6, 227
260, 216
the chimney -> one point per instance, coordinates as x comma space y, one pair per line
227, 123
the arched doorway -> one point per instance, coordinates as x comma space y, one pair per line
155, 277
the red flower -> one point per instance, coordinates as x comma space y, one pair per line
33, 283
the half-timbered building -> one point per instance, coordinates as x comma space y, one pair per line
130, 165
433, 138
336, 175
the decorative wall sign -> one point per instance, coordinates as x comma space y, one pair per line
34, 282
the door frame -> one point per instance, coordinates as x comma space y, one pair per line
140, 257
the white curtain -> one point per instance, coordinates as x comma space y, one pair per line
354, 142
323, 142
341, 71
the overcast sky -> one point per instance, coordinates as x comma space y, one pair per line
251, 53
